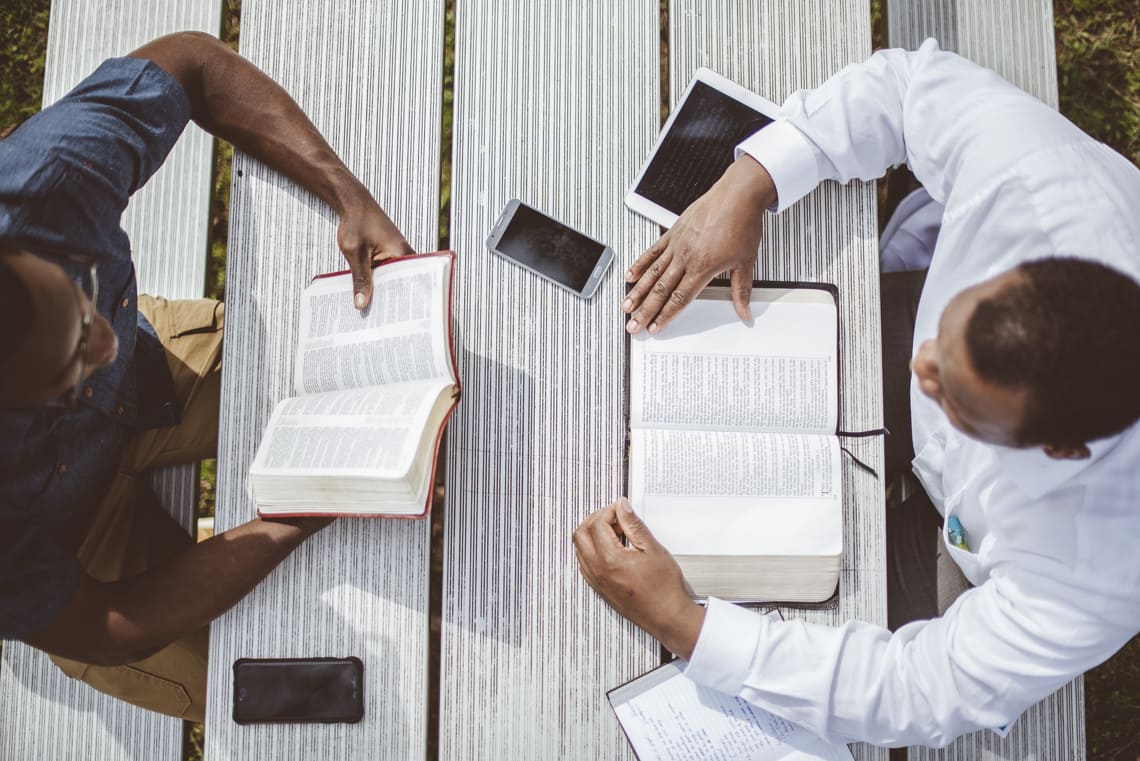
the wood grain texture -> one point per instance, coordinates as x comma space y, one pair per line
368, 74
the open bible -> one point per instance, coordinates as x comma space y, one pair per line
733, 459
373, 392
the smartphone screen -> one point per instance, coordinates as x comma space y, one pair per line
298, 690
550, 248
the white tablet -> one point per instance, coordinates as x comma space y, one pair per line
696, 145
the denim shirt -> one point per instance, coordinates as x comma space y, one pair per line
65, 177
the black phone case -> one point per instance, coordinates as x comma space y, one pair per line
298, 690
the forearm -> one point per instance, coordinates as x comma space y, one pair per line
241, 104
234, 100
144, 613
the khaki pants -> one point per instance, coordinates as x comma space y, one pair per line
131, 532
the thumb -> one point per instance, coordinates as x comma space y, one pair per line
361, 279
634, 528
740, 281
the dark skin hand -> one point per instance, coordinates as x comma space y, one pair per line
720, 231
233, 99
110, 623
640, 581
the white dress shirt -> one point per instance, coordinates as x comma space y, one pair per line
1055, 544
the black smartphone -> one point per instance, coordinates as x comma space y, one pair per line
549, 248
287, 690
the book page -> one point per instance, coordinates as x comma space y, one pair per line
738, 492
402, 336
708, 369
672, 718
371, 431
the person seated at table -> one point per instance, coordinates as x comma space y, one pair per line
98, 384
1022, 410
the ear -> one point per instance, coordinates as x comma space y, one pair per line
1080, 452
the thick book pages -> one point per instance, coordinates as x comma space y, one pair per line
668, 717
733, 459
373, 392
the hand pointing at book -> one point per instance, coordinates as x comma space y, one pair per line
367, 235
719, 231
640, 580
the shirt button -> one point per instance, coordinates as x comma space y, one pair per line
62, 469
120, 409
89, 392
126, 300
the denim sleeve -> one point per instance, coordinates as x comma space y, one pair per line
93, 148
37, 580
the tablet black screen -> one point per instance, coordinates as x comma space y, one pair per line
550, 247
698, 147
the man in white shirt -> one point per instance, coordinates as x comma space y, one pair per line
1023, 402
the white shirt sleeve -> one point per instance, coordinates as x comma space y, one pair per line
1025, 631
1000, 648
930, 109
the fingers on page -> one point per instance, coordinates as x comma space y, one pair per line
639, 266
662, 292
679, 298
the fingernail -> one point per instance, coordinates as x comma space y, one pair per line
625, 505
631, 326
629, 274
360, 301
627, 304
652, 327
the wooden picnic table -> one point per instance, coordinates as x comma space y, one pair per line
557, 104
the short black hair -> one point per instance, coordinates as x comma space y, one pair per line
17, 310
1066, 333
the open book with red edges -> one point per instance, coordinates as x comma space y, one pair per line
373, 391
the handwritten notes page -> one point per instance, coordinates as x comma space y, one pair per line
669, 717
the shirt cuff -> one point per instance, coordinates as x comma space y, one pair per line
788, 156
722, 659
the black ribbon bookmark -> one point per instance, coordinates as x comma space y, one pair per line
861, 435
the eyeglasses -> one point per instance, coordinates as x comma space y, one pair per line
89, 284
83, 271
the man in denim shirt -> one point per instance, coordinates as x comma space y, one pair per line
97, 383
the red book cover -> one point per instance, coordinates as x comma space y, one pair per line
447, 417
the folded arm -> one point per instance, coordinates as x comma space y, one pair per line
112, 623
956, 124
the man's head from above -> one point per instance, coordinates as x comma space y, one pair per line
45, 350
1044, 355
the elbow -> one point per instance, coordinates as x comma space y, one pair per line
200, 40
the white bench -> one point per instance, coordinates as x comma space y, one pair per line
43, 714
370, 76
1015, 39
558, 105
